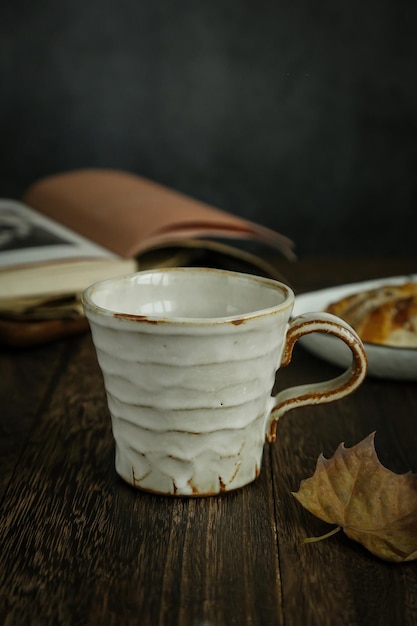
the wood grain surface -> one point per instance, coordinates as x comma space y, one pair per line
78, 546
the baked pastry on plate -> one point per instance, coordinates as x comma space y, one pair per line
384, 315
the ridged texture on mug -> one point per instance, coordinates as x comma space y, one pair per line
188, 408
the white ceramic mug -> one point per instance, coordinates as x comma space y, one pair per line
189, 358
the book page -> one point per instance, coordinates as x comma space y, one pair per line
28, 237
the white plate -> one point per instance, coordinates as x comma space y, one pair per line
384, 361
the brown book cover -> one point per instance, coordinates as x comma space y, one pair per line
129, 214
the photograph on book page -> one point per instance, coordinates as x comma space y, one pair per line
27, 237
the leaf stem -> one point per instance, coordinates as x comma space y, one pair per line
316, 539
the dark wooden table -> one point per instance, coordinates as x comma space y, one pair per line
78, 546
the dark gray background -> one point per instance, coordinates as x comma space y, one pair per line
301, 115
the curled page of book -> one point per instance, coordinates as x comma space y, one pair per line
129, 214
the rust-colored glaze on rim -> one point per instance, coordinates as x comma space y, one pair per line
241, 318
135, 318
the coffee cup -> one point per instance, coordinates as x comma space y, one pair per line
189, 358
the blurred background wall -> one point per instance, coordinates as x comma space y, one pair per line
300, 115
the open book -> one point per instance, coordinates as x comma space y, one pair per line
76, 228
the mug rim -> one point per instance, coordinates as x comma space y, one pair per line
91, 307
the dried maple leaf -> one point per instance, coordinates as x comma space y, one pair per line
373, 505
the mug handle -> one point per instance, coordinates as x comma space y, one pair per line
327, 391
